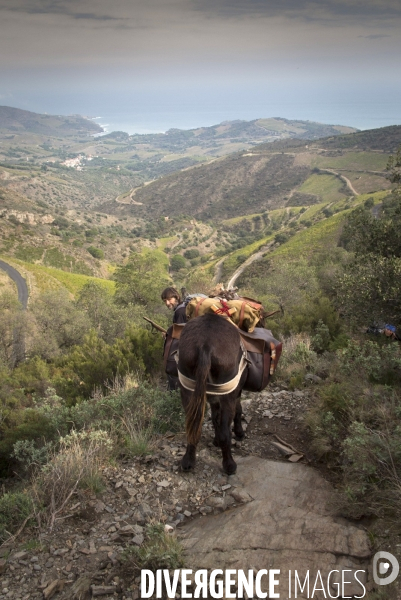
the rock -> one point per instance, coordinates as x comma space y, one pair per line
53, 587
241, 496
205, 510
289, 524
138, 539
3, 565
103, 590
19, 555
218, 503
126, 529
313, 378
99, 506
81, 588
163, 483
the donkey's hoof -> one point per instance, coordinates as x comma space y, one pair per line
187, 464
230, 467
239, 436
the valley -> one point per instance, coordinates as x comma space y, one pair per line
81, 205
303, 216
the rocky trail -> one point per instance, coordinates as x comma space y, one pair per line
282, 508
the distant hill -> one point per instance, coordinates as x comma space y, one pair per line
385, 139
284, 173
219, 139
15, 120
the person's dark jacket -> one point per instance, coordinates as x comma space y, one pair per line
179, 315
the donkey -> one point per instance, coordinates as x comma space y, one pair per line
212, 367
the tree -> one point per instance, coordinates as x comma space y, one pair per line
12, 330
191, 253
371, 282
59, 324
177, 262
106, 317
96, 252
141, 280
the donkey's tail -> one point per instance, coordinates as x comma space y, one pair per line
197, 405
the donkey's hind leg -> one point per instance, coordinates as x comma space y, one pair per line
238, 431
223, 434
189, 459
215, 410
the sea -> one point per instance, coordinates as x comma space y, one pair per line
361, 115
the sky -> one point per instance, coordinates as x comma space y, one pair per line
204, 58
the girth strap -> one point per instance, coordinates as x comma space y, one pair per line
215, 389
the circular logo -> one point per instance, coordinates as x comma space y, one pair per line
384, 567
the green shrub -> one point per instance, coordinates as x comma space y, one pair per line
177, 262
29, 253
26, 424
29, 455
159, 551
96, 252
191, 253
15, 508
380, 364
321, 339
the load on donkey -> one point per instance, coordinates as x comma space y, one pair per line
222, 350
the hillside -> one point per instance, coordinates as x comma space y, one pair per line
83, 217
15, 120
91, 442
78, 170
289, 173
229, 136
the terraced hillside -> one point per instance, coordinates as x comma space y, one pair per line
289, 173
210, 218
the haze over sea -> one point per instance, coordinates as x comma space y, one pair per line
362, 115
136, 110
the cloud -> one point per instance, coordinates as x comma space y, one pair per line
328, 11
374, 36
220, 35
58, 8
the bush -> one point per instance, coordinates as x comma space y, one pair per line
177, 262
191, 253
28, 425
281, 238
77, 464
159, 551
96, 252
15, 508
355, 425
379, 364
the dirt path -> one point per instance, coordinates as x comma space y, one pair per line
256, 256
343, 178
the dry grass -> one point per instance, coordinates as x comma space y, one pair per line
77, 464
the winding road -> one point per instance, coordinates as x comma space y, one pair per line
256, 256
19, 280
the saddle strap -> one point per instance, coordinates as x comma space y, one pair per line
198, 306
215, 389
241, 315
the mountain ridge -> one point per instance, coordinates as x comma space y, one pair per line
16, 120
